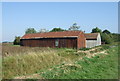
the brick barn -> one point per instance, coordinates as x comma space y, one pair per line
65, 39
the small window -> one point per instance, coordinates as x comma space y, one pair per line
56, 42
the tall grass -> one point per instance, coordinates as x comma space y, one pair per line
98, 67
11, 50
29, 63
18, 61
65, 63
0, 61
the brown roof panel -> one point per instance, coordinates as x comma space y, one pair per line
52, 34
91, 35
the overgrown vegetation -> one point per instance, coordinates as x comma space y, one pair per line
48, 63
98, 67
106, 36
0, 61
17, 40
25, 60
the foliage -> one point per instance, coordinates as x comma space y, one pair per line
116, 37
105, 46
96, 30
17, 40
106, 31
106, 38
57, 29
30, 30
74, 27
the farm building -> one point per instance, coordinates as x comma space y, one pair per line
92, 39
64, 39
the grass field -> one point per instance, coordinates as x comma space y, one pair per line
52, 63
0, 61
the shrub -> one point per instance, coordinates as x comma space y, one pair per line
106, 38
105, 47
17, 41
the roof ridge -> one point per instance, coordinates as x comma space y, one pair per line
57, 31
53, 34
91, 33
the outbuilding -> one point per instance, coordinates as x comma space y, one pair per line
92, 39
64, 39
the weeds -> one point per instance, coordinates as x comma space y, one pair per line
90, 68
61, 63
84, 49
28, 64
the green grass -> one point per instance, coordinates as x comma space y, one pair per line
0, 61
98, 67
59, 63
0, 68
84, 49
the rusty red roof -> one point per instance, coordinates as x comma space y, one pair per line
52, 34
91, 35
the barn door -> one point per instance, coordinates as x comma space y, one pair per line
57, 42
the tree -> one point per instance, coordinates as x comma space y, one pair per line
74, 27
30, 30
17, 40
57, 29
106, 31
96, 30
43, 30
116, 37
106, 38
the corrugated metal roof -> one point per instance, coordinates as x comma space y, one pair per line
52, 34
91, 35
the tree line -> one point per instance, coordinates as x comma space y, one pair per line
71, 28
106, 36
